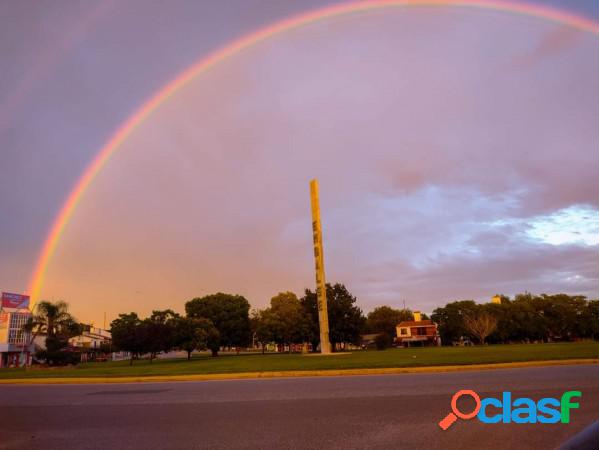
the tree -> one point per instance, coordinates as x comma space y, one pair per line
54, 320
195, 334
548, 317
526, 323
480, 325
150, 339
265, 326
310, 307
51, 319
503, 313
285, 322
160, 332
591, 319
383, 341
212, 337
450, 319
256, 332
164, 316
228, 313
127, 334
345, 318
563, 314
385, 319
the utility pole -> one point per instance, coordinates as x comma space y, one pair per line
321, 291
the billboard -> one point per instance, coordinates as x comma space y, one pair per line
16, 301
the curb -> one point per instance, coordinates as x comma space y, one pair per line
296, 373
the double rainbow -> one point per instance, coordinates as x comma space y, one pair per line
113, 144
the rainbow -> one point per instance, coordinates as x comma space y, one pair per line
113, 144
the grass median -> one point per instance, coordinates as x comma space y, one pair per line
371, 359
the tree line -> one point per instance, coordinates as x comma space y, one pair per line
224, 320
526, 318
209, 323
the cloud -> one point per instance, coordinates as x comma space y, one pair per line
434, 168
500, 266
549, 45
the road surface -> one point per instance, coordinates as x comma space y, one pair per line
380, 411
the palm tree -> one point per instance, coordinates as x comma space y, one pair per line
51, 319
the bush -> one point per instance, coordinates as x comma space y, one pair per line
58, 358
383, 341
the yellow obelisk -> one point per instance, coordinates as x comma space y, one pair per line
321, 291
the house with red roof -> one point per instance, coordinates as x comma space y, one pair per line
417, 332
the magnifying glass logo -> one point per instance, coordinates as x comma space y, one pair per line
456, 413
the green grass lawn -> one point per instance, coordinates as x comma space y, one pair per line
413, 357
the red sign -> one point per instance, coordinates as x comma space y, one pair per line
16, 301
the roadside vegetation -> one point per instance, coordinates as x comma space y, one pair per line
360, 359
55, 322
226, 323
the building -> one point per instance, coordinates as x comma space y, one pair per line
93, 344
92, 338
16, 346
417, 332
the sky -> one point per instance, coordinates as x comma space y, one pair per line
456, 151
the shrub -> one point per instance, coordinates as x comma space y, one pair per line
382, 341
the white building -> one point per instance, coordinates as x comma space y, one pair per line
16, 347
92, 344
91, 339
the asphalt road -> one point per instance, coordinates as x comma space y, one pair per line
381, 411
